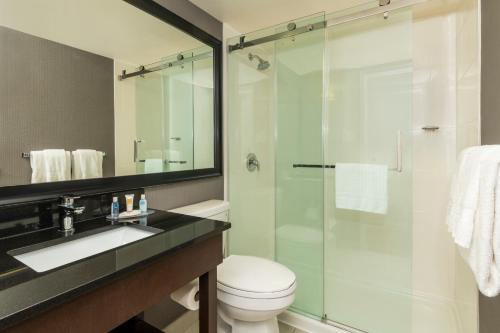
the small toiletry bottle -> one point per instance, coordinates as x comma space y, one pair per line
115, 207
143, 204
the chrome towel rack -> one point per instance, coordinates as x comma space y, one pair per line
28, 155
399, 159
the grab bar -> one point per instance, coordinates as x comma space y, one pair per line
176, 162
399, 159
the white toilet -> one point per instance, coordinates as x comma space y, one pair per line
251, 291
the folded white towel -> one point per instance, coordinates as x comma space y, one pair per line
474, 215
87, 163
361, 187
153, 165
50, 165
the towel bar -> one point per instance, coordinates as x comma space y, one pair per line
326, 166
27, 155
399, 159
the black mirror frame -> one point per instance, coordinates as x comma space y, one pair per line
35, 192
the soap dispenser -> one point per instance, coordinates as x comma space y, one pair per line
143, 204
115, 208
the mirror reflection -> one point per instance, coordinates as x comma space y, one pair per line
100, 89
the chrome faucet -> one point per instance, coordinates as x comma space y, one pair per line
67, 212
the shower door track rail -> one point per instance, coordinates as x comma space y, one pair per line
161, 65
294, 31
290, 33
372, 12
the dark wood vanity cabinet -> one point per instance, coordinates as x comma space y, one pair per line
106, 307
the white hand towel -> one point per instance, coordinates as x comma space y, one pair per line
87, 163
361, 187
50, 165
153, 165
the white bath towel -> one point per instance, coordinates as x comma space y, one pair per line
50, 165
153, 165
464, 196
482, 251
361, 187
87, 163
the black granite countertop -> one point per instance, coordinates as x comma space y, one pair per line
25, 292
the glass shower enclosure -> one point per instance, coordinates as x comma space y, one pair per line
310, 95
175, 125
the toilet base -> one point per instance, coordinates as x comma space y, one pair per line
267, 326
231, 325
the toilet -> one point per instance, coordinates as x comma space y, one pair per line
251, 291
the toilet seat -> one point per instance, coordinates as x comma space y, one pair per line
265, 302
249, 294
254, 275
254, 283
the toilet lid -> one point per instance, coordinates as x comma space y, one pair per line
253, 274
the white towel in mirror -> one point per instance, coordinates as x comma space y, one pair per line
50, 165
153, 165
87, 163
361, 187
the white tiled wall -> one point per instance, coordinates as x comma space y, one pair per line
468, 134
446, 94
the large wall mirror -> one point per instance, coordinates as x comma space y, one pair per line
105, 89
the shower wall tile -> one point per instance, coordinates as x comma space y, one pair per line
434, 33
433, 263
434, 71
435, 151
468, 134
431, 193
468, 97
434, 155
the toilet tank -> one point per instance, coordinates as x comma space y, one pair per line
210, 209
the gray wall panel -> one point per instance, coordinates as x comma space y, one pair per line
51, 96
489, 308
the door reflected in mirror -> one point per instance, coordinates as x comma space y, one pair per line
100, 89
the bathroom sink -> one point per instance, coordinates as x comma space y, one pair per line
44, 259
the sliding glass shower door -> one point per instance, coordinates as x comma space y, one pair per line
368, 252
298, 161
300, 104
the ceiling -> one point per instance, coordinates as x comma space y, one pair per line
246, 16
111, 28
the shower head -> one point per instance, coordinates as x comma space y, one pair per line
263, 64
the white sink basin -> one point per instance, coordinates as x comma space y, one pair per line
61, 254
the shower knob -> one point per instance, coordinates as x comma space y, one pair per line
252, 162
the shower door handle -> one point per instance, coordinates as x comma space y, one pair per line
136, 150
399, 153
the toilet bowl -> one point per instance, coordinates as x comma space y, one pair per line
251, 291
